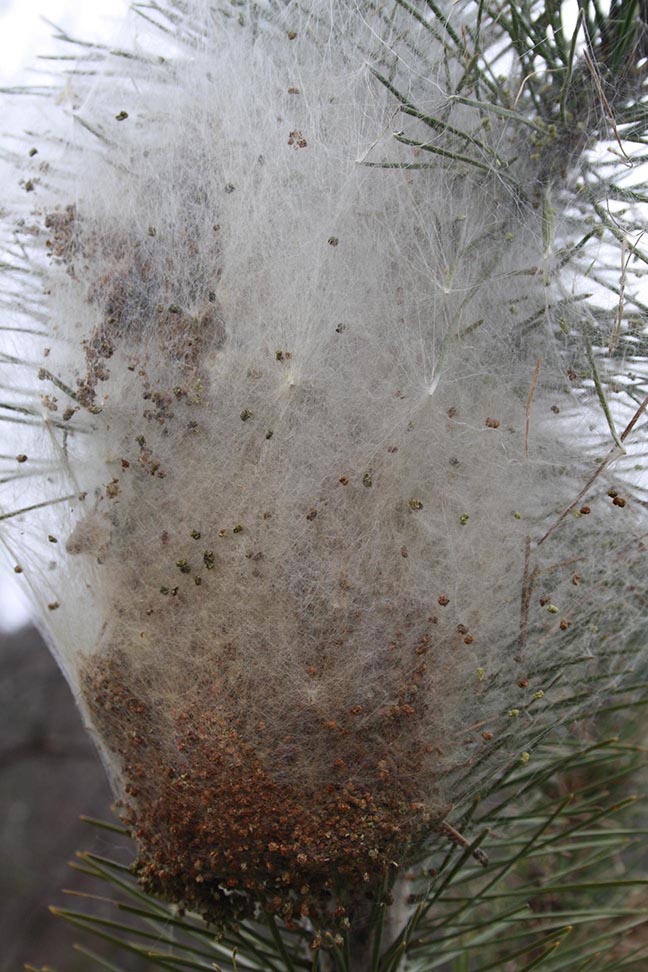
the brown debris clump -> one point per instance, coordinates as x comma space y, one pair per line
219, 834
131, 296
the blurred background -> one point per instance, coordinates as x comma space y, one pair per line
50, 773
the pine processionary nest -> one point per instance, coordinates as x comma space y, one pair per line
338, 540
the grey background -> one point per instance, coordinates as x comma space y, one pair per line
49, 775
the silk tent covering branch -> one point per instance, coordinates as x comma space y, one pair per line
307, 493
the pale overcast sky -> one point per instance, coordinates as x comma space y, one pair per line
24, 35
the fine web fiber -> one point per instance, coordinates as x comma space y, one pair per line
332, 542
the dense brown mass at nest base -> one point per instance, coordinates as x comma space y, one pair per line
217, 834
